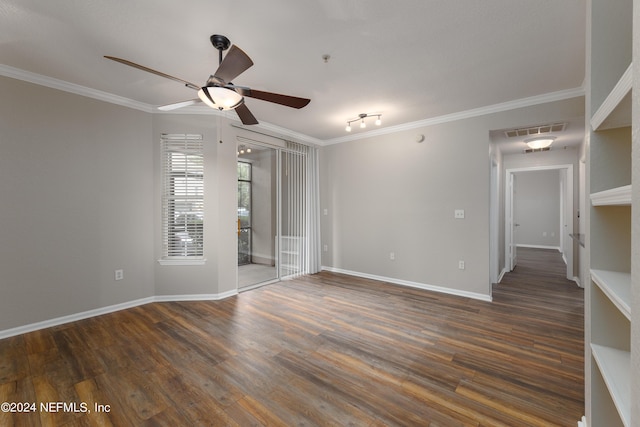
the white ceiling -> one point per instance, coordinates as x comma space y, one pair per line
410, 60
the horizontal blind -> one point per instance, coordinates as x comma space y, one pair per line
183, 195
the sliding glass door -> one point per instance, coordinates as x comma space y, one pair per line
278, 231
244, 212
257, 215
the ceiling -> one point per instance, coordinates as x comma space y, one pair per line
411, 60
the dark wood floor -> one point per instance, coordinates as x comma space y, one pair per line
326, 349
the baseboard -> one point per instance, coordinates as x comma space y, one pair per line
556, 248
111, 309
410, 284
577, 280
502, 273
73, 317
195, 297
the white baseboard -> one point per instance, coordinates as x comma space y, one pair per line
73, 317
502, 273
195, 297
410, 284
110, 309
557, 248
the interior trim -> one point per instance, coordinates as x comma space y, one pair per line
110, 309
39, 79
426, 287
27, 76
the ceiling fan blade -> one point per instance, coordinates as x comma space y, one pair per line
233, 64
152, 71
245, 115
176, 105
286, 100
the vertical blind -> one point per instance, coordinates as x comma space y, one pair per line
299, 228
182, 195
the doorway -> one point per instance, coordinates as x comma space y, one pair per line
512, 224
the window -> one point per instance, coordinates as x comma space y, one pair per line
182, 197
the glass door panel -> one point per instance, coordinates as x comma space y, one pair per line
257, 203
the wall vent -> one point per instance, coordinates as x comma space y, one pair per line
535, 130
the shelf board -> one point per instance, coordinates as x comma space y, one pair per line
617, 287
615, 367
620, 196
615, 111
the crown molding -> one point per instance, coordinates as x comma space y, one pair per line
268, 128
467, 114
16, 73
50, 82
289, 134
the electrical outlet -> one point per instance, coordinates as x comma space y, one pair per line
326, 248
461, 265
392, 256
458, 214
119, 274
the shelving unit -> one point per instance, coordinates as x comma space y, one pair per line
614, 366
609, 306
620, 196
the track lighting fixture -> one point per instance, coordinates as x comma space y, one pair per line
361, 117
243, 149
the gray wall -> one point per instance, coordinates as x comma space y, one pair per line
391, 194
537, 208
80, 186
80, 191
76, 191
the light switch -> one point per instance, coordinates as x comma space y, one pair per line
458, 214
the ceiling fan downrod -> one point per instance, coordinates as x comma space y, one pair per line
221, 43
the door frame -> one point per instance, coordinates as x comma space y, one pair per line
277, 150
566, 206
510, 250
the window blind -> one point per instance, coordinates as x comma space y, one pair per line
299, 211
182, 195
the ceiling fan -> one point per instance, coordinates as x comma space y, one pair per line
219, 92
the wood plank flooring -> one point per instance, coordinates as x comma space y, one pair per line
326, 350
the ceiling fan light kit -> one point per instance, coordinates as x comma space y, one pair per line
361, 117
218, 92
220, 98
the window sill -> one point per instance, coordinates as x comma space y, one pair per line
182, 261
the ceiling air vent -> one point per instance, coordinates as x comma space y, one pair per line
535, 130
534, 150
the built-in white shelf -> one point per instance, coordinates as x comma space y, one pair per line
617, 287
620, 196
615, 111
615, 367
